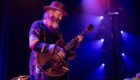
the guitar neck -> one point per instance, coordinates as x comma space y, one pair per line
74, 41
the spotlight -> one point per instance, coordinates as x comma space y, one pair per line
101, 17
121, 31
102, 40
122, 54
103, 64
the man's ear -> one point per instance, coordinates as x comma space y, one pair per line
50, 12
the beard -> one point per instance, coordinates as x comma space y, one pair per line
55, 22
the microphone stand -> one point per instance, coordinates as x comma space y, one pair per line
121, 48
113, 38
114, 49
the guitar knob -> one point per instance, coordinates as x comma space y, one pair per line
52, 69
60, 63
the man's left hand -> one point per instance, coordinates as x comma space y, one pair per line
80, 37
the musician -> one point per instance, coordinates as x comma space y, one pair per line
43, 36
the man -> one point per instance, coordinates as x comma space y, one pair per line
43, 36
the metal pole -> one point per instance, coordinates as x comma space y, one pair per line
114, 49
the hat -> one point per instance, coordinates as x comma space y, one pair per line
55, 5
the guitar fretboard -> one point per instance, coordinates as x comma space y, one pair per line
74, 41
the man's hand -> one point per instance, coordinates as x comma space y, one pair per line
80, 37
61, 53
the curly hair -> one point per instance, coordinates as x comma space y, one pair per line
46, 14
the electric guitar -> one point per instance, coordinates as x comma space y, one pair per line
52, 64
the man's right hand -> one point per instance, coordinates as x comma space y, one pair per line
61, 53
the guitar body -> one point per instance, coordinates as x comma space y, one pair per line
52, 64
72, 53
56, 69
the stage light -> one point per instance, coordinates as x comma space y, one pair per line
121, 31
102, 40
103, 64
122, 54
101, 17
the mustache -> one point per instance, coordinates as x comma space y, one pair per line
58, 20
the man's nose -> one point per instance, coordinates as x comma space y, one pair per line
60, 17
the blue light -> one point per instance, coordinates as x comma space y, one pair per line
103, 64
121, 31
122, 54
102, 40
101, 17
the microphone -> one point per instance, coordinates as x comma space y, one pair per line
111, 12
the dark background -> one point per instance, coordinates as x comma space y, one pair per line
16, 17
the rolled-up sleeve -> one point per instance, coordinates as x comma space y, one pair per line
34, 40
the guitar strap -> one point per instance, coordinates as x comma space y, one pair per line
51, 62
57, 30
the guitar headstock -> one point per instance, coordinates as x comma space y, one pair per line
90, 27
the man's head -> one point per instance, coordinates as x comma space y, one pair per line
55, 12
53, 15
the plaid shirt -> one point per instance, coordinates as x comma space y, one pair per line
41, 39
